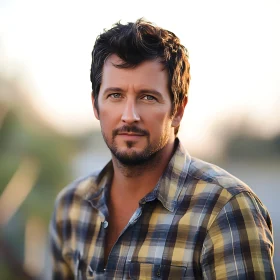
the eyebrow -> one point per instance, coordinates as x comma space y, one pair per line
111, 89
145, 90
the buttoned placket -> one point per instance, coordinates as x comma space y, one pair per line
104, 226
136, 215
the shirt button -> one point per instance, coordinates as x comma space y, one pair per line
105, 224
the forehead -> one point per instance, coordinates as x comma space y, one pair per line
149, 73
115, 60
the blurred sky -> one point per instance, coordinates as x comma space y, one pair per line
234, 55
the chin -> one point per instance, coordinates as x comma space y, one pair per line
133, 158
130, 151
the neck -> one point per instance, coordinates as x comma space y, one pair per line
138, 180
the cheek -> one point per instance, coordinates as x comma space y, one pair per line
105, 111
105, 121
109, 119
110, 110
160, 122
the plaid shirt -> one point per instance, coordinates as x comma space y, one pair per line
199, 222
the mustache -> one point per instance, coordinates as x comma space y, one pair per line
132, 129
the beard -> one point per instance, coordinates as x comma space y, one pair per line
132, 157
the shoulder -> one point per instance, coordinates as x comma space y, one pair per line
214, 188
207, 173
221, 195
78, 189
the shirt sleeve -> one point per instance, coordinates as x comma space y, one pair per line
60, 268
239, 243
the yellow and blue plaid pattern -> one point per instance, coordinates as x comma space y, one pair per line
199, 222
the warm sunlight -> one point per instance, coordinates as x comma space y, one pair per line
234, 60
50, 136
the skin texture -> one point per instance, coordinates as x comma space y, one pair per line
135, 112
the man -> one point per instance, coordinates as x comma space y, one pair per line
154, 212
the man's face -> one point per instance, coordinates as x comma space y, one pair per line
134, 109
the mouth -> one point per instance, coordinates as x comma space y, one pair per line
130, 136
130, 133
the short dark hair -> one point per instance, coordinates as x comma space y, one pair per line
138, 42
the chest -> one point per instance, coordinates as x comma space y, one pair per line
118, 220
149, 241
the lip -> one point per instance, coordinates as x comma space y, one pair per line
130, 136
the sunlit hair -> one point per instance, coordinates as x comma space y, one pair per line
138, 42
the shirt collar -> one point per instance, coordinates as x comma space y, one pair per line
171, 183
167, 190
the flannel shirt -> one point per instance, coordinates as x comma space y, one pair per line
199, 222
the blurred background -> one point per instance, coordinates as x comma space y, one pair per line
48, 133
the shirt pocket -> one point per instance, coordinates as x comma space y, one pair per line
138, 270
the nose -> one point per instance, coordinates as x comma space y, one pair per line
130, 114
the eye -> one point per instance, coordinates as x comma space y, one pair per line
149, 98
115, 95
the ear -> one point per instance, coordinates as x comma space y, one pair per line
179, 113
93, 106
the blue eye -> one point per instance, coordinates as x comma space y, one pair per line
149, 97
115, 95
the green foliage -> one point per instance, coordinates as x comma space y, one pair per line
26, 136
